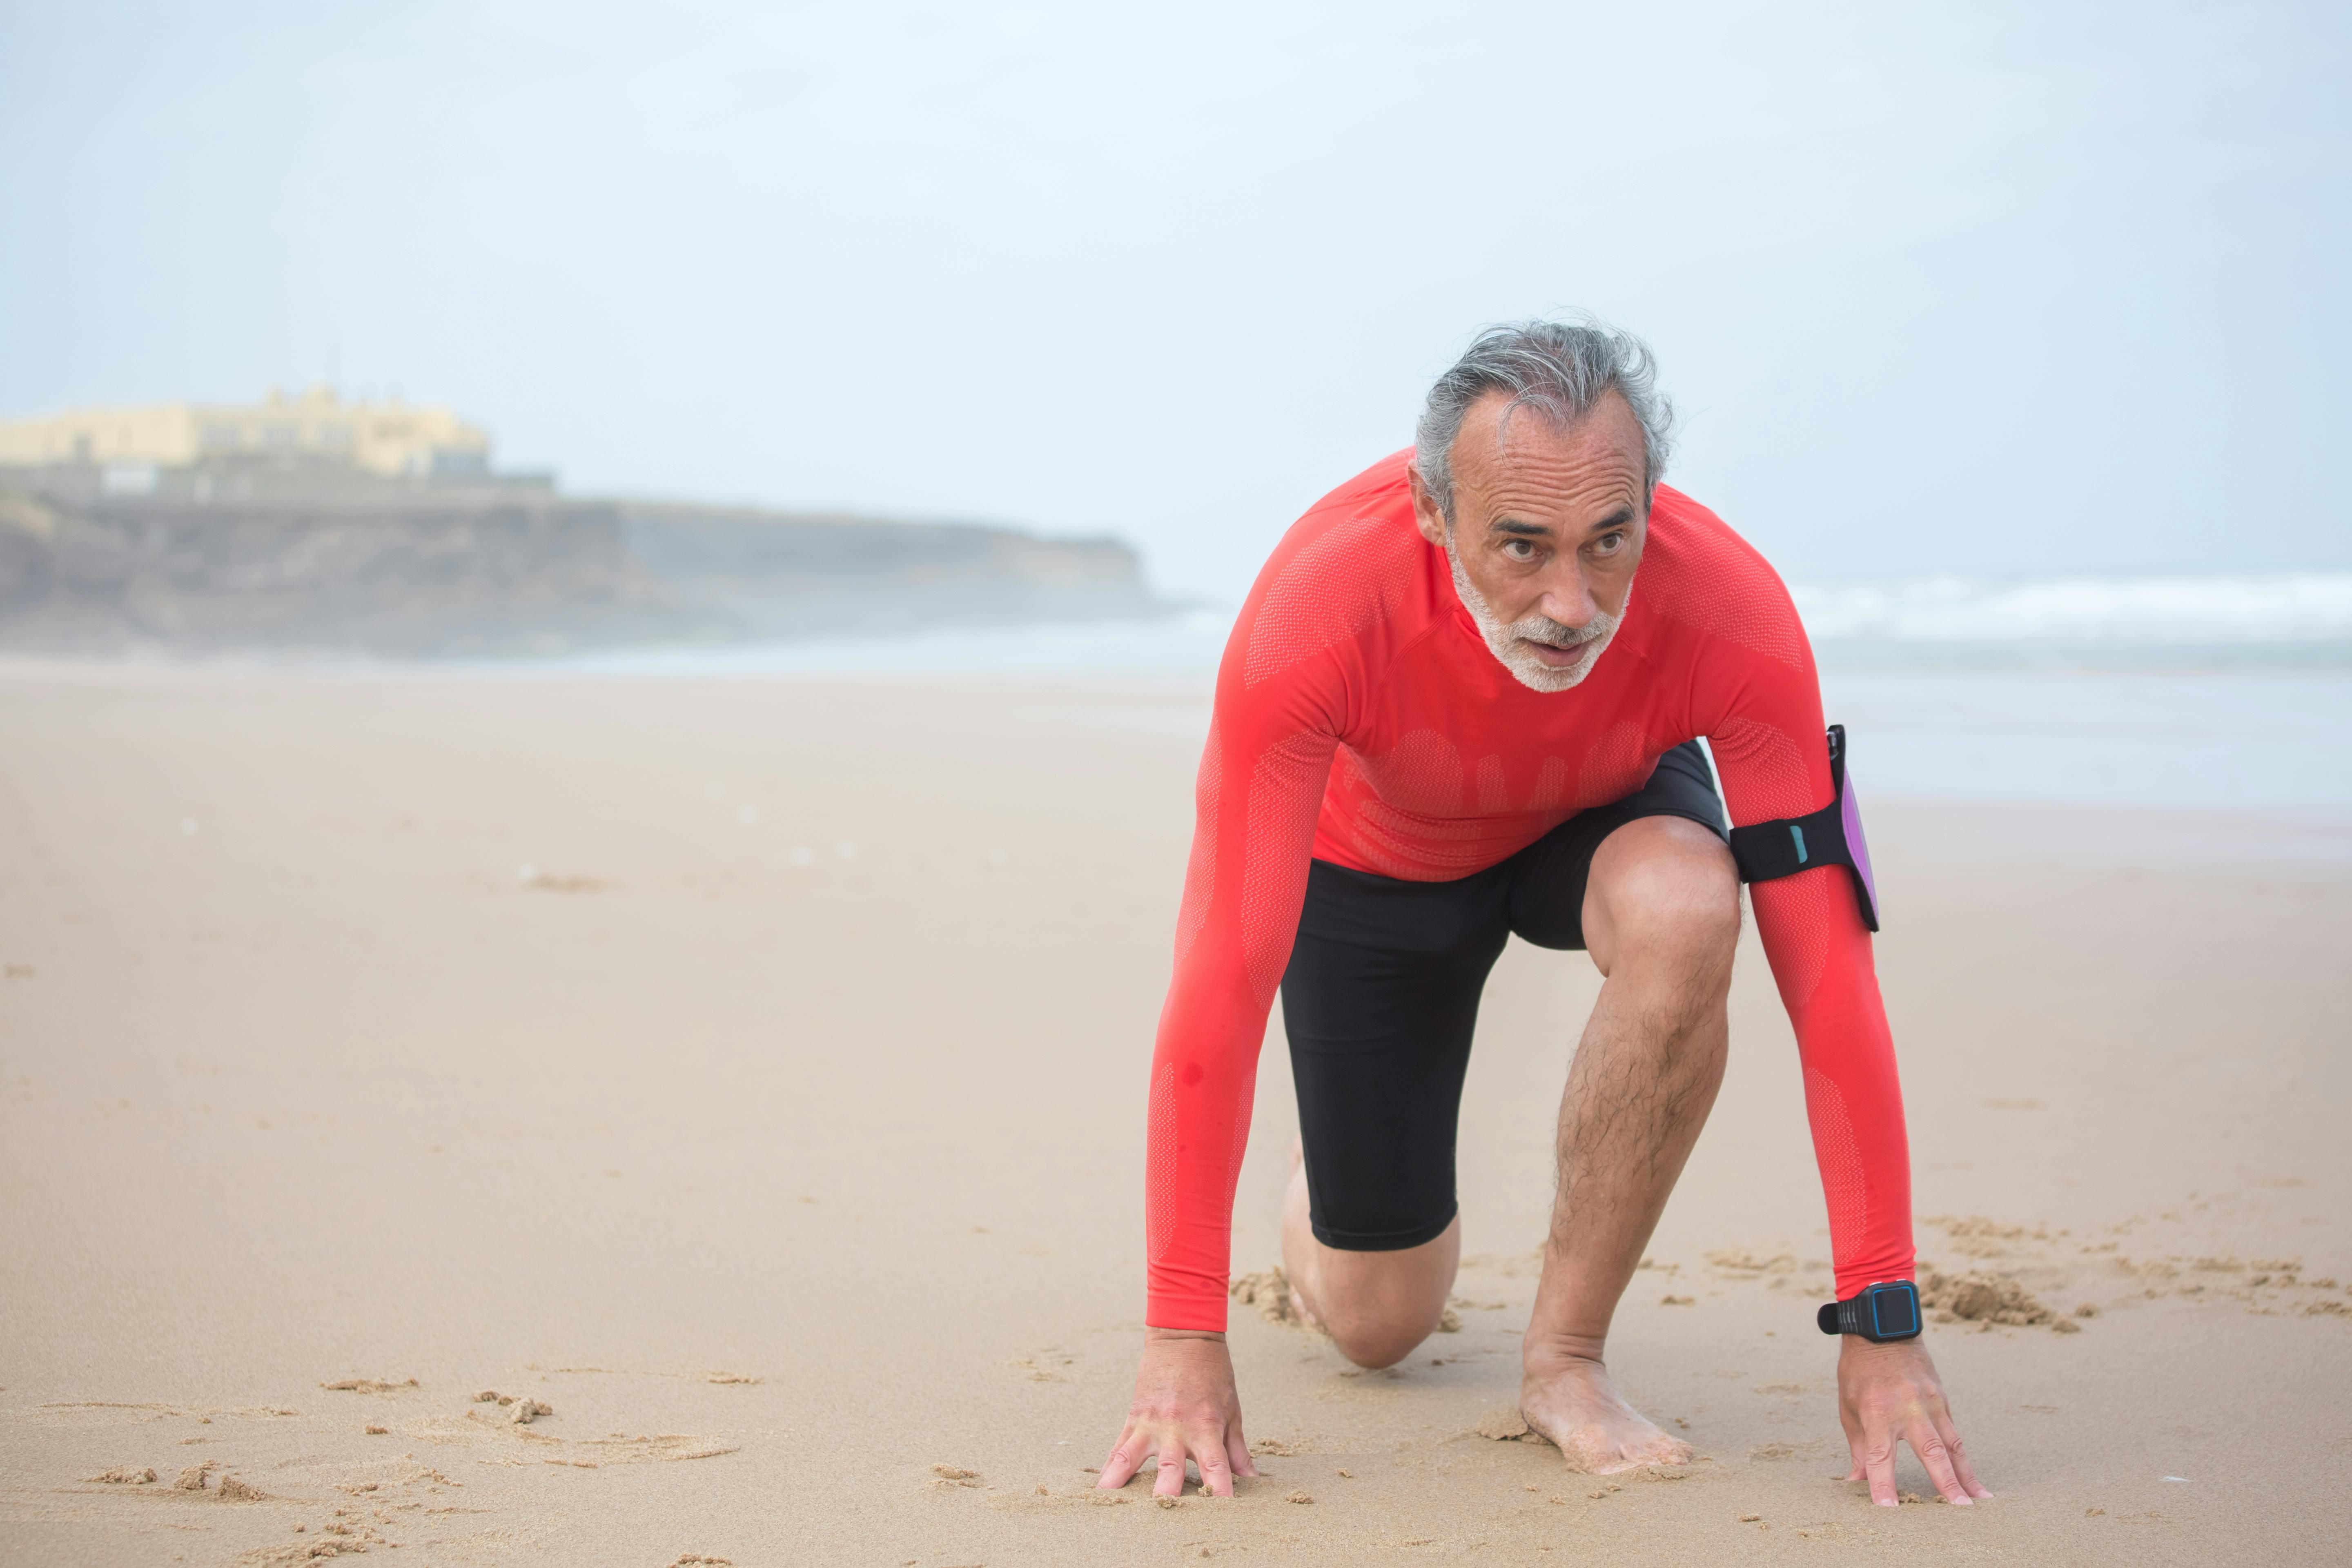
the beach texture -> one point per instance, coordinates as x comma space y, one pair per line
515, 1120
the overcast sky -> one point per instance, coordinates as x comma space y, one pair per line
1998, 290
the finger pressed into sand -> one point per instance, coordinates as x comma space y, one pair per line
1878, 1465
1119, 1467
1238, 1452
1958, 1450
1928, 1444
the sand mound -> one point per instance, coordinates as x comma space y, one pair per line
1270, 1292
1981, 1297
1502, 1424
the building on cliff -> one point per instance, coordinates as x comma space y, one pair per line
318, 429
312, 524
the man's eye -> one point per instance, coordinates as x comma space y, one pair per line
1608, 544
1521, 549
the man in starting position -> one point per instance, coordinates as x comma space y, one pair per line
1463, 701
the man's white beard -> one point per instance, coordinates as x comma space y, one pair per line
1509, 642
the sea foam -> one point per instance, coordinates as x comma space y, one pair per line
2291, 608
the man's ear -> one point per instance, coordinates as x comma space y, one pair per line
1425, 514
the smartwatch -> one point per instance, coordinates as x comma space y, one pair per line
1878, 1313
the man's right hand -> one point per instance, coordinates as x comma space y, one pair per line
1185, 1407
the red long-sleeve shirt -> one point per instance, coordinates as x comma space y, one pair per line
1362, 718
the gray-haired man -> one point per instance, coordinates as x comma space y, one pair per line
1461, 701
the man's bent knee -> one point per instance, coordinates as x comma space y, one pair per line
1664, 893
1377, 1306
1374, 1340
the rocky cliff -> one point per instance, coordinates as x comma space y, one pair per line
431, 572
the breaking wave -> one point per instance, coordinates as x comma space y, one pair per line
2283, 611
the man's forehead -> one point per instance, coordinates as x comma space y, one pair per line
1521, 454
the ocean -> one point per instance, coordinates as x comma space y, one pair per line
2231, 694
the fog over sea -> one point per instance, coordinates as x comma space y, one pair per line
2223, 694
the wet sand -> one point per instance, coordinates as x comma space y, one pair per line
752, 1074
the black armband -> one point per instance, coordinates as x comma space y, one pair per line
1765, 851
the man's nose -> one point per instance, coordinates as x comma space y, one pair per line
1568, 598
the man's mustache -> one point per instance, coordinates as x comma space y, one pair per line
1552, 634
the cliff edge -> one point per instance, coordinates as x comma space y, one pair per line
436, 571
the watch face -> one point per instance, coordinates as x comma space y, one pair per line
1894, 1310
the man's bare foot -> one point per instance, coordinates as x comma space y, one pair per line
1572, 1401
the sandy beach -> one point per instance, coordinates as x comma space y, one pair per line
751, 1073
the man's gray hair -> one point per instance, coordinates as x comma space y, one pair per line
1560, 369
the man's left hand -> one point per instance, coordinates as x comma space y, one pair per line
1888, 1392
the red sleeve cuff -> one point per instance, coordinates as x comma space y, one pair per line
1186, 1312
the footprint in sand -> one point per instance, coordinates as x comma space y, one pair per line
586, 1454
108, 1410
536, 880
369, 1385
520, 1412
1737, 1260
336, 1539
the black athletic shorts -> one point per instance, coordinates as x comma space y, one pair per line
1381, 996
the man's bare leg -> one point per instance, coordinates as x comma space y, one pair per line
1661, 919
1376, 1305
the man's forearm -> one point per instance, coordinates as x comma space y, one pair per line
1821, 956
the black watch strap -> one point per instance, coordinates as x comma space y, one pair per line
1881, 1313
